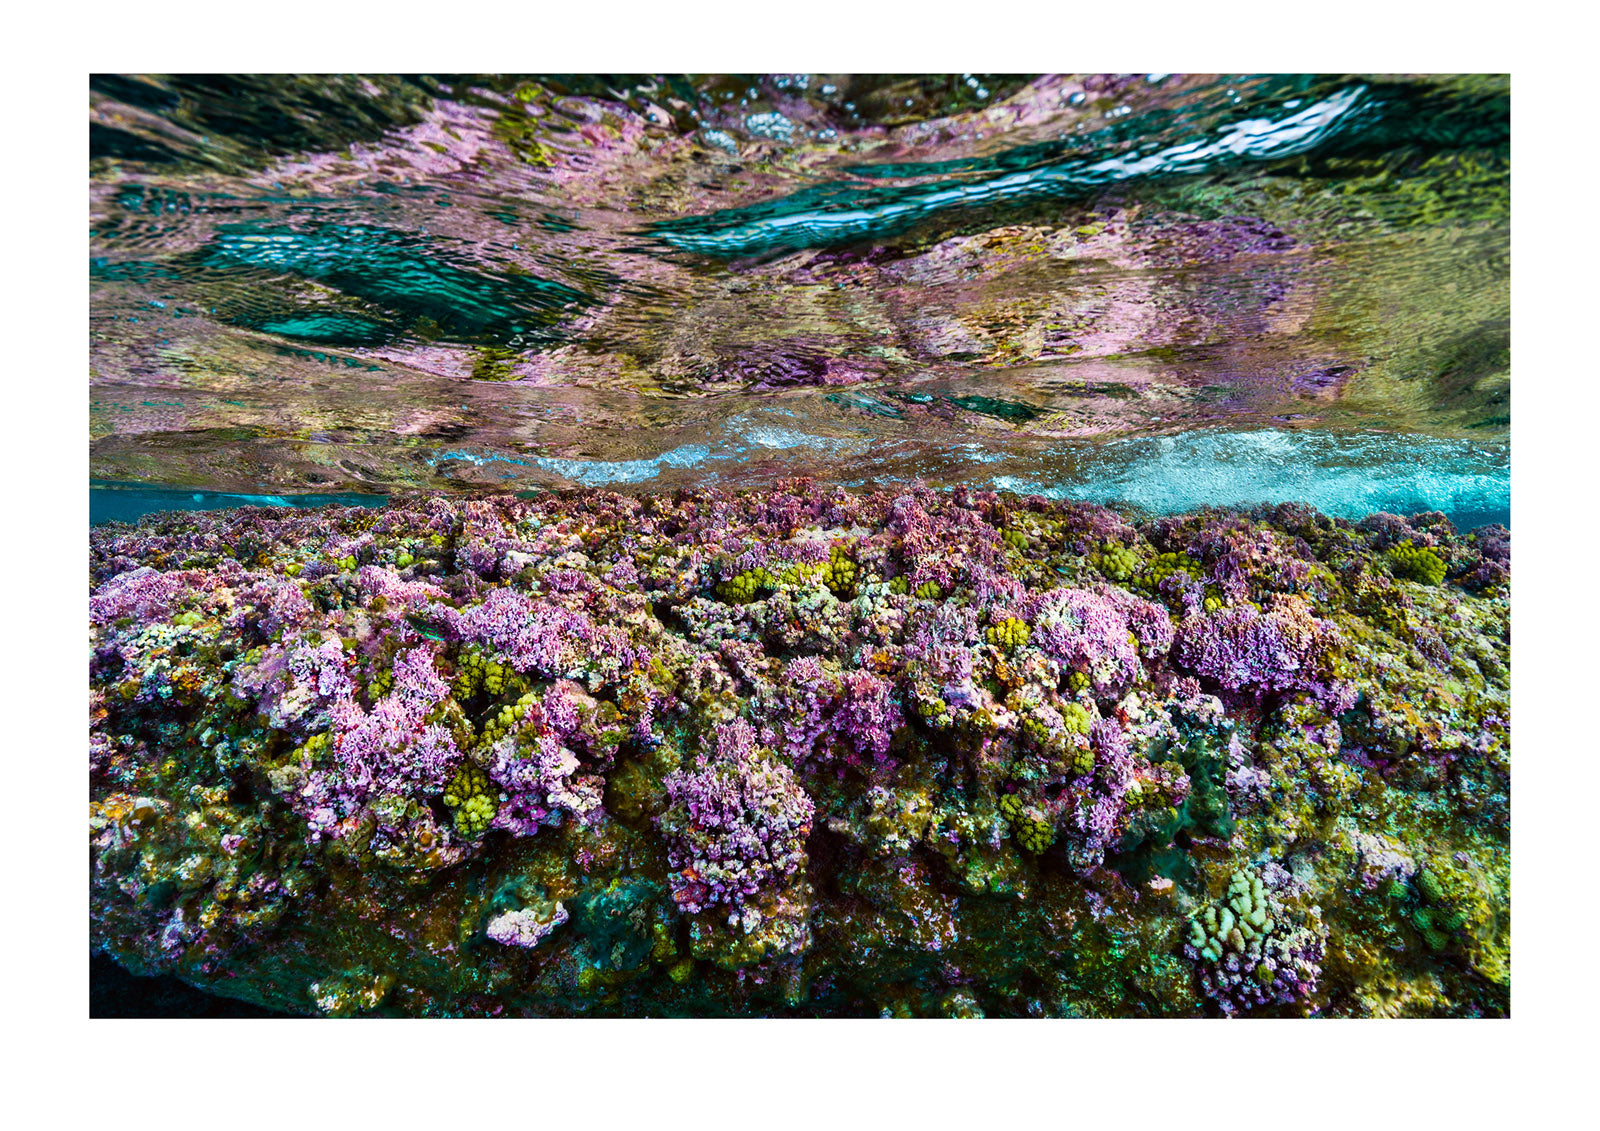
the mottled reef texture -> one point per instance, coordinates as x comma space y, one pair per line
803, 752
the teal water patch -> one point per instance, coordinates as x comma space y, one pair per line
1232, 124
1344, 476
837, 213
1347, 476
127, 502
330, 327
591, 473
128, 271
398, 272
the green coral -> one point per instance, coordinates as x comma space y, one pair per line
1416, 563
1028, 825
493, 363
472, 801
477, 672
839, 573
1075, 719
930, 591
743, 587
1439, 916
503, 721
1116, 561
932, 709
899, 586
1165, 565
1238, 920
1009, 633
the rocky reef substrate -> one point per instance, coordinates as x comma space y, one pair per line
803, 751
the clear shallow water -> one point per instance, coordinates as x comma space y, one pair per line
1161, 290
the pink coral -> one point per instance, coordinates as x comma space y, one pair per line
816, 709
737, 824
1098, 632
1242, 648
533, 636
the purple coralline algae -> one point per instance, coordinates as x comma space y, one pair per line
737, 824
1245, 648
804, 751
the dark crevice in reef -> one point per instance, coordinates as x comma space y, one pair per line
113, 992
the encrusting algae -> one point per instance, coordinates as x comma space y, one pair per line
804, 752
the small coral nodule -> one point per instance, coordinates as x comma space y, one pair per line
1416, 563
1116, 561
1033, 832
1009, 633
1249, 953
472, 801
743, 587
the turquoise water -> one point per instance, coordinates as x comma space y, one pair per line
1347, 478
126, 502
1163, 290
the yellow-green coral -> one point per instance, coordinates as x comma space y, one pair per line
1442, 912
1028, 825
930, 591
477, 672
839, 573
1416, 563
1165, 565
1116, 561
934, 710
493, 363
742, 588
505, 719
472, 801
1009, 633
795, 573
1239, 919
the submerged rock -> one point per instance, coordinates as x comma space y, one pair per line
803, 751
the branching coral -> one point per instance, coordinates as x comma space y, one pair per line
737, 823
1250, 953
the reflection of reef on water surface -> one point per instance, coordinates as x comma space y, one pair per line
804, 752
370, 274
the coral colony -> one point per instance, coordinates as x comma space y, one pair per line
803, 751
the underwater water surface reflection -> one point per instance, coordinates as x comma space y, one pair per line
383, 284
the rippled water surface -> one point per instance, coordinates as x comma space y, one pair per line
1164, 290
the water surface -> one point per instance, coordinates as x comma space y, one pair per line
1159, 289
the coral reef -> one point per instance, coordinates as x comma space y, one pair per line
803, 751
